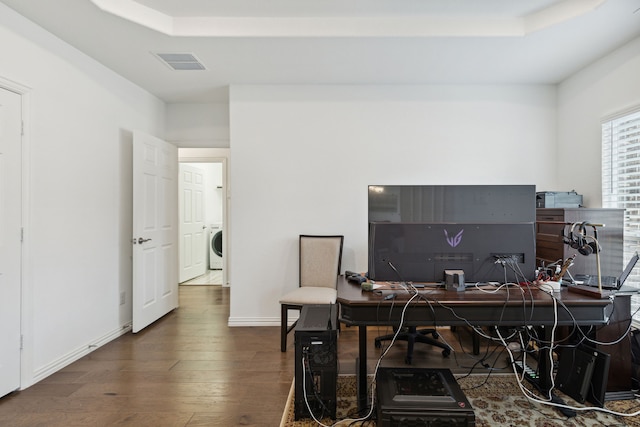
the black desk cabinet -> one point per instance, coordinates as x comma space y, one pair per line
550, 246
619, 383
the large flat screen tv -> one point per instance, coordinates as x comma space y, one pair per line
407, 225
421, 252
452, 203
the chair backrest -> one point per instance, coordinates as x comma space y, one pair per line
320, 260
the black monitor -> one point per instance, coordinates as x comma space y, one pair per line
421, 252
452, 203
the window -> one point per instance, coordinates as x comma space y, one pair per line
621, 182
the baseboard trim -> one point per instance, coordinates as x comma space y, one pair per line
53, 367
253, 321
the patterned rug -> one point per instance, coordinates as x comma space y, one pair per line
497, 401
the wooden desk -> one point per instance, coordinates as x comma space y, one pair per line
449, 308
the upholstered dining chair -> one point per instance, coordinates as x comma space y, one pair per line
320, 259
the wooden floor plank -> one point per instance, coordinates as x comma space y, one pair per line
190, 369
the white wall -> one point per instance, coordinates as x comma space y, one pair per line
78, 224
609, 86
304, 155
198, 125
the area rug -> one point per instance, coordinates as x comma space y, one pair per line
497, 401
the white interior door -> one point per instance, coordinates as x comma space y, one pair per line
155, 229
10, 239
193, 232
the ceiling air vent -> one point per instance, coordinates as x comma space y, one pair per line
180, 61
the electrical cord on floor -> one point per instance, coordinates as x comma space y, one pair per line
483, 361
530, 395
486, 366
384, 353
372, 386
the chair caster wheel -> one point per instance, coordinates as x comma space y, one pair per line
446, 352
377, 344
435, 335
407, 361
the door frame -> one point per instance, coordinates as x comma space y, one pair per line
26, 284
215, 155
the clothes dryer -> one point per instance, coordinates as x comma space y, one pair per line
215, 247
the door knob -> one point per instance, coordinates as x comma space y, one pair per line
141, 240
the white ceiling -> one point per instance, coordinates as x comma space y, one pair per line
338, 41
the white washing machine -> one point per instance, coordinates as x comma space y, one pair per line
215, 247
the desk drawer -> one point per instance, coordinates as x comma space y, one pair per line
551, 229
550, 215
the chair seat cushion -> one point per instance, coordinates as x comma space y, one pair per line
310, 295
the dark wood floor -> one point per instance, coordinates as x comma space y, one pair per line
191, 369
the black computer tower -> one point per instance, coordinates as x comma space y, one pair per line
316, 362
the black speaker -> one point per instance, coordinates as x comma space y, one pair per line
316, 362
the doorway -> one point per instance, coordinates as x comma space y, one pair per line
213, 164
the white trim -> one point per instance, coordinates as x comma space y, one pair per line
629, 110
253, 321
69, 358
347, 24
26, 289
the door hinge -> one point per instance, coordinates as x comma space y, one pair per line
21, 234
21, 342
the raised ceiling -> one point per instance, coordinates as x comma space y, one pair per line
337, 41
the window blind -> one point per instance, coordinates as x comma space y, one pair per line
621, 183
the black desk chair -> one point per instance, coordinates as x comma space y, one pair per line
411, 335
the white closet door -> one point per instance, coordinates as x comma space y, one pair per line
10, 239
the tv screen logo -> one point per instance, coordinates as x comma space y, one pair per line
455, 240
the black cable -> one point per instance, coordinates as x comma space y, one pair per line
490, 371
620, 338
483, 361
388, 319
316, 393
422, 297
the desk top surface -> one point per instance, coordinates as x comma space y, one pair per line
352, 294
